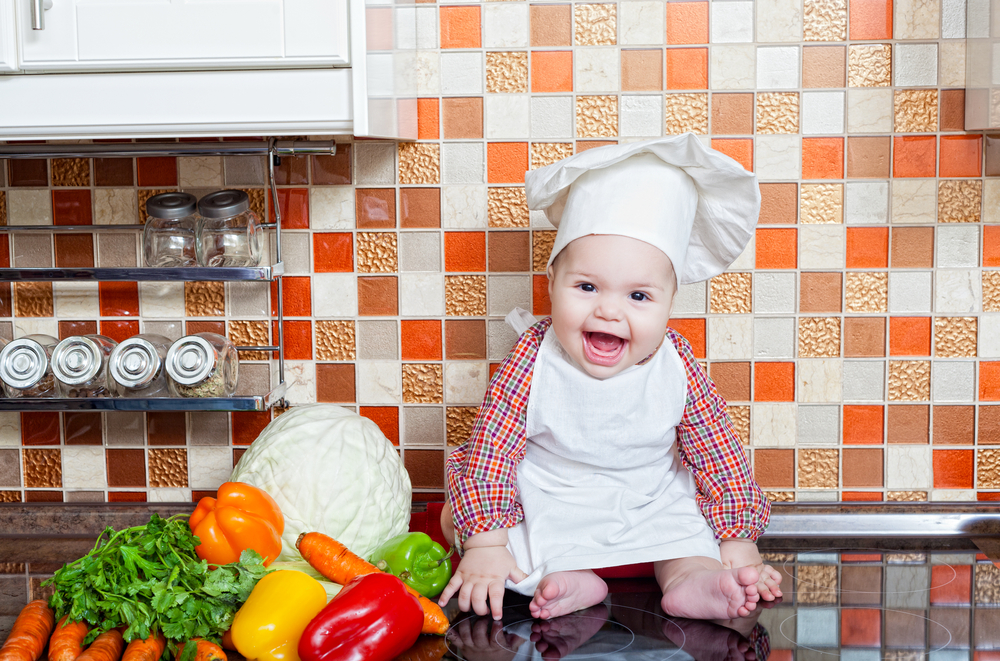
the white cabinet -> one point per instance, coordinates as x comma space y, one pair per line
8, 37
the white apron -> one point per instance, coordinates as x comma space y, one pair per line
601, 483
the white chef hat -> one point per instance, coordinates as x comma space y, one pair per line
695, 204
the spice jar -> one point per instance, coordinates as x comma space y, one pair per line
136, 367
169, 237
80, 365
203, 365
229, 233
26, 367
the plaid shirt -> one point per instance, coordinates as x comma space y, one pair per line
482, 474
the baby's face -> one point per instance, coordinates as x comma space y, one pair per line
611, 297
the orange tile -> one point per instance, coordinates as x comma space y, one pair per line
871, 19
297, 338
378, 296
642, 70
421, 339
464, 251
991, 245
693, 331
953, 469
119, 331
294, 206
863, 425
119, 299
387, 419
909, 336
540, 303
861, 496
460, 27
961, 156
822, 158
71, 207
428, 119
774, 469
296, 296
774, 382
989, 381
687, 23
951, 584
867, 247
860, 627
552, 71
779, 655
914, 155
247, 425
506, 162
776, 249
861, 557
738, 149
687, 68
333, 252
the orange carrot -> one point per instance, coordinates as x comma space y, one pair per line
205, 650
150, 649
339, 564
30, 632
67, 640
227, 640
426, 648
106, 647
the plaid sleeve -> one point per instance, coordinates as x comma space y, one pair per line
482, 474
729, 496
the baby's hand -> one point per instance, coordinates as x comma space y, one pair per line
481, 574
738, 553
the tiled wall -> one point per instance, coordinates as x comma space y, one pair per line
857, 339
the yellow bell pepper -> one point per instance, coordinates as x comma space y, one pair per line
270, 623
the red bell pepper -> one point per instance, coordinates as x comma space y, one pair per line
373, 618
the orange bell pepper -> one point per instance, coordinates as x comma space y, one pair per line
242, 517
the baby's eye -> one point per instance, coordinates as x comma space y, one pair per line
638, 296
587, 287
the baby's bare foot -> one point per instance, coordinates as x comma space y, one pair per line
710, 594
567, 591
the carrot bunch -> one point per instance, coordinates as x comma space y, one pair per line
30, 633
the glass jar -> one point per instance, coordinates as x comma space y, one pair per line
26, 367
80, 365
203, 365
169, 237
229, 232
136, 367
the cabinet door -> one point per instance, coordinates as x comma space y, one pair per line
8, 37
120, 35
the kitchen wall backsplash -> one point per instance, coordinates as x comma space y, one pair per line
857, 339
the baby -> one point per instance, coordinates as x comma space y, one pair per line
601, 442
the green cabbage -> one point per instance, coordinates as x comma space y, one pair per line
330, 471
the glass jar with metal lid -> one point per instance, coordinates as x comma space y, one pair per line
203, 365
136, 367
169, 237
26, 366
229, 232
80, 365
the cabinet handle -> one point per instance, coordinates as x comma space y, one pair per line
38, 8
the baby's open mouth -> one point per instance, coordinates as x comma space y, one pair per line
603, 348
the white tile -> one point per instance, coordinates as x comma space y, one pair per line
169, 495
732, 67
731, 22
420, 251
463, 207
421, 294
819, 379
953, 19
914, 201
916, 19
77, 299
953, 496
425, 69
819, 425
747, 259
729, 337
953, 381
773, 425
505, 25
866, 202
778, 157
915, 65
331, 208
115, 206
552, 117
36, 326
907, 467
29, 207
500, 339
773, 292
864, 381
909, 291
952, 68
957, 245
539, 220
596, 70
778, 67
816, 497
83, 467
957, 291
462, 73
300, 375
779, 21
774, 337
209, 467
989, 336
380, 74
822, 113
906, 586
463, 163
416, 28
335, 295
641, 23
374, 163
978, 21
10, 428
817, 627
991, 201
822, 246
861, 655
691, 299
507, 116
465, 382
869, 110
161, 299
199, 171
641, 116
379, 382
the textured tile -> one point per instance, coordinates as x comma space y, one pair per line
595, 25
869, 65
955, 337
824, 20
204, 299
740, 415
252, 334
906, 496
596, 116
816, 584
686, 112
818, 469
819, 337
419, 163
732, 293
916, 111
991, 291
460, 420
547, 153
821, 203
423, 383
867, 292
507, 207
909, 380
144, 194
71, 172
507, 72
960, 200
541, 247
3, 207
465, 295
777, 112
33, 299
42, 469
377, 252
168, 467
780, 496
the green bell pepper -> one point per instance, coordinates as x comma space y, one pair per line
417, 560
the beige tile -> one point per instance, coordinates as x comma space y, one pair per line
377, 252
460, 420
867, 292
914, 201
507, 72
824, 20
686, 112
507, 207
595, 24
596, 116
777, 112
917, 19
869, 65
819, 337
335, 339
419, 163
819, 469
916, 111
465, 295
960, 200
547, 153
815, 584
423, 383
821, 204
955, 337
204, 299
909, 380
731, 293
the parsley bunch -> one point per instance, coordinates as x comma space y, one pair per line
149, 579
